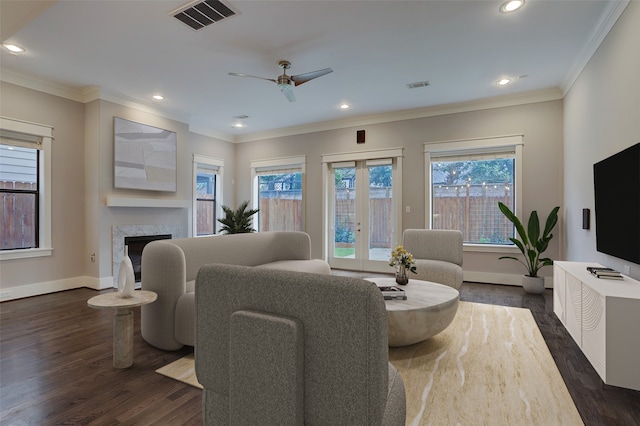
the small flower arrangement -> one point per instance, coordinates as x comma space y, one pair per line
401, 258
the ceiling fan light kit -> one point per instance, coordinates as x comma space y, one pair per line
285, 82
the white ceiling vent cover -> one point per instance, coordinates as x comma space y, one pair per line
199, 14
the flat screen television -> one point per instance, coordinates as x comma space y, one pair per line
617, 204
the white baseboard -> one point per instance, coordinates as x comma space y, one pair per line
494, 278
37, 289
19, 292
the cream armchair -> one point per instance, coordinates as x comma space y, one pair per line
278, 347
438, 255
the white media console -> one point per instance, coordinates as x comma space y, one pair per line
603, 317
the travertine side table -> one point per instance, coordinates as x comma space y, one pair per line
122, 321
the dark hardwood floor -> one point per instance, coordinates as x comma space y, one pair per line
56, 366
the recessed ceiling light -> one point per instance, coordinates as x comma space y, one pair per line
504, 81
158, 97
511, 6
238, 125
345, 106
13, 48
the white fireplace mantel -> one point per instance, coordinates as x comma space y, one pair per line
147, 202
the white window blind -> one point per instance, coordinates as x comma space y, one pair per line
475, 154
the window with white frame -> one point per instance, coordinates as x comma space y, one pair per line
25, 189
207, 194
278, 190
465, 182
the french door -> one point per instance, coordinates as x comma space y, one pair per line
363, 213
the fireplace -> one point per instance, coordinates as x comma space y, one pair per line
135, 245
120, 232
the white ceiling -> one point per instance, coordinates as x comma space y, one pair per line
134, 49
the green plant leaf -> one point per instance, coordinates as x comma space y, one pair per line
552, 219
509, 257
519, 244
542, 244
514, 219
534, 227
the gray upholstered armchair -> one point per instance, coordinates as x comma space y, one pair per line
438, 255
278, 347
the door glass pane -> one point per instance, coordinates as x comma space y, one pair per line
206, 203
380, 212
465, 196
345, 212
280, 201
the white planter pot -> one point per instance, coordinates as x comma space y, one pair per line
533, 285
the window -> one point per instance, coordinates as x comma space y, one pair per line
278, 192
207, 194
19, 197
25, 206
466, 180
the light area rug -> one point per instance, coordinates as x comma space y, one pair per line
491, 366
182, 370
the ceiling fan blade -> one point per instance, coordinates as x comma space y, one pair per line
303, 78
237, 74
287, 90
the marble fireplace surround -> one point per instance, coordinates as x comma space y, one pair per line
119, 232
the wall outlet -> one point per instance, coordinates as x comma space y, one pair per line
407, 209
626, 269
5, 294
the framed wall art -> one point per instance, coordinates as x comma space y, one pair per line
144, 157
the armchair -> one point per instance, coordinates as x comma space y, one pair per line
278, 347
437, 253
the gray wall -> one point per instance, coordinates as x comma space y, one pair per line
67, 175
82, 179
602, 117
540, 123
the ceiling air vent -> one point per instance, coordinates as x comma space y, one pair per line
200, 14
417, 84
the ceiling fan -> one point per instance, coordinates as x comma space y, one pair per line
285, 82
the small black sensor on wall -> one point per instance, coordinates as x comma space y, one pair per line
359, 136
586, 218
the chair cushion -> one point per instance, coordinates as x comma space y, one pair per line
316, 266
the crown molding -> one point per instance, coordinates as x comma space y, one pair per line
92, 93
86, 94
608, 19
40, 85
477, 105
211, 133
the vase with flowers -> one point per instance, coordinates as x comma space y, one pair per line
403, 261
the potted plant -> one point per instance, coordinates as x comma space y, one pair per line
532, 244
238, 221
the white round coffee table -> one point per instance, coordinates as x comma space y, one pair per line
428, 310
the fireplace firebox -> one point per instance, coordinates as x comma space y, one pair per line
135, 245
